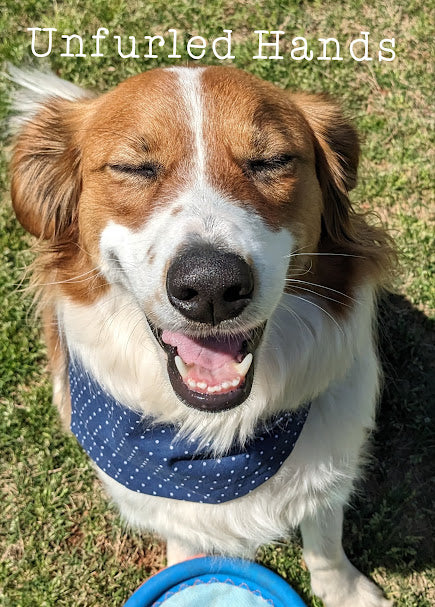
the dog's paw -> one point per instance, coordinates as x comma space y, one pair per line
347, 587
177, 552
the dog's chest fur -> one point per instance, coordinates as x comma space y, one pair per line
321, 467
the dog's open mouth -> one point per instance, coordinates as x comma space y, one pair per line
211, 373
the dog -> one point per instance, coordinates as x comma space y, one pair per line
208, 298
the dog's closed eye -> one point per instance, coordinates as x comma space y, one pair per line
147, 170
265, 167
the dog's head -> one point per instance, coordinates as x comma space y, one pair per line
201, 192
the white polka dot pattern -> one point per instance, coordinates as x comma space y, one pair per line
148, 458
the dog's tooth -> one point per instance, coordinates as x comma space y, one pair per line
201, 385
235, 382
181, 366
243, 367
225, 385
191, 383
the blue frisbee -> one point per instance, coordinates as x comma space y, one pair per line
215, 582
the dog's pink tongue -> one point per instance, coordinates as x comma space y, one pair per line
210, 353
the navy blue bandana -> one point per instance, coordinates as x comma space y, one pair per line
149, 458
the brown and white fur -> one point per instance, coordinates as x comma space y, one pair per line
233, 162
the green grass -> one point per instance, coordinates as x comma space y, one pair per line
60, 542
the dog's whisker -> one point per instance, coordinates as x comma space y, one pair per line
324, 254
106, 325
298, 287
295, 315
315, 284
139, 322
320, 308
74, 279
304, 272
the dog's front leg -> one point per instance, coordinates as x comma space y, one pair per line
177, 552
333, 578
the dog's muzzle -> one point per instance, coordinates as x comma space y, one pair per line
208, 286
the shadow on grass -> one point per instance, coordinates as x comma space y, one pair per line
391, 523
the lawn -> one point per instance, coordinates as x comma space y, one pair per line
61, 543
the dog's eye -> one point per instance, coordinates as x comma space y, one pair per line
264, 166
147, 170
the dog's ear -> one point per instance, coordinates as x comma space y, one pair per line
46, 160
337, 153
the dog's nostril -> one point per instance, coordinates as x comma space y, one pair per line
187, 294
237, 292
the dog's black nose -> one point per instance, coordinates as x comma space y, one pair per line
208, 285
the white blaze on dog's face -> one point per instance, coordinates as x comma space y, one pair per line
206, 188
191, 188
